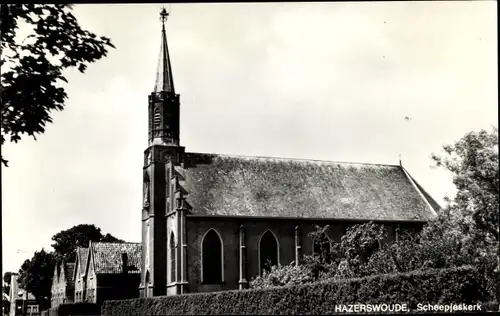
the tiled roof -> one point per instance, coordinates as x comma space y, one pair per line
82, 254
69, 269
108, 257
276, 187
57, 271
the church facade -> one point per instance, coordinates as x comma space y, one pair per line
212, 222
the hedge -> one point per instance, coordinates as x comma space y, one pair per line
87, 309
443, 286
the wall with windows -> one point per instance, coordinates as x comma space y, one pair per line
214, 247
172, 251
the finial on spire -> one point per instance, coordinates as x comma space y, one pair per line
163, 16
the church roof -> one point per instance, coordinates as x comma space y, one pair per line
107, 257
277, 187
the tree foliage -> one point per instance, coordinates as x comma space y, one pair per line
6, 279
35, 275
6, 289
473, 160
32, 68
66, 241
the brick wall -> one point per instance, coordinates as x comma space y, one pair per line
228, 228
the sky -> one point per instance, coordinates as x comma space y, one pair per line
325, 81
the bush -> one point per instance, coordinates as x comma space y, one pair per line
457, 285
283, 275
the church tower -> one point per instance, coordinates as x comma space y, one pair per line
160, 158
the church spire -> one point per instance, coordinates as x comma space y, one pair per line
164, 79
164, 104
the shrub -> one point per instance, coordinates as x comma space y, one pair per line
457, 285
283, 275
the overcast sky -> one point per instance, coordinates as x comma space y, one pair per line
328, 81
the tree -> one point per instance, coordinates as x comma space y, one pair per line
35, 275
7, 278
33, 75
110, 238
68, 240
361, 241
6, 289
465, 232
473, 160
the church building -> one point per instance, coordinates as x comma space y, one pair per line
211, 222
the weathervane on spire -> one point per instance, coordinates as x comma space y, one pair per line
163, 16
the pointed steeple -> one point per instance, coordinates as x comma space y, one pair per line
164, 104
164, 79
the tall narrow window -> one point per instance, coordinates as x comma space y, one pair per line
268, 251
172, 258
157, 118
212, 261
146, 283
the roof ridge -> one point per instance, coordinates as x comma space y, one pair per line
297, 159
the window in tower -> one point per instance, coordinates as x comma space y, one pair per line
157, 118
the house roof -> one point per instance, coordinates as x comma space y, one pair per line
278, 187
107, 257
69, 269
57, 273
82, 257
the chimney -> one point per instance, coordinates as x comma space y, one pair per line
124, 263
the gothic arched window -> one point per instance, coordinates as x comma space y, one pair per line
268, 251
212, 258
172, 258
